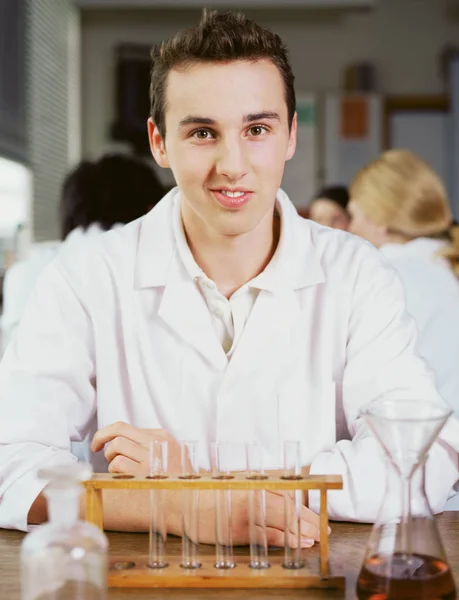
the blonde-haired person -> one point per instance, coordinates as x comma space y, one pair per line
399, 204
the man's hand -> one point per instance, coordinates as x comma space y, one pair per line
275, 520
127, 451
128, 448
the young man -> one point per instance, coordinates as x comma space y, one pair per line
221, 315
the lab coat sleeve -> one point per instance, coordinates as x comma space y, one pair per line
47, 392
381, 360
17, 287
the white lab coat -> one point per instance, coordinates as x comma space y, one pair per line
21, 277
432, 296
121, 332
18, 285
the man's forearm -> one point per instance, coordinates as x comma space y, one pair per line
124, 510
129, 510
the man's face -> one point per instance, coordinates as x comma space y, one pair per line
227, 140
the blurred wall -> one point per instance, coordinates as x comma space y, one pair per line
54, 130
402, 37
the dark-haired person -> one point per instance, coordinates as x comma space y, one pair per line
95, 196
329, 207
220, 316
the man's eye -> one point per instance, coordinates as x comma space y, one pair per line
202, 134
257, 130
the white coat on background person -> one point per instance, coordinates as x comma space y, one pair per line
18, 283
22, 276
124, 332
432, 297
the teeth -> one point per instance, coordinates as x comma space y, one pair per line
232, 194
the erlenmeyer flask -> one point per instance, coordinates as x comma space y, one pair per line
405, 558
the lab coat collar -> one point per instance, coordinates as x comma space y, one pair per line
156, 248
295, 264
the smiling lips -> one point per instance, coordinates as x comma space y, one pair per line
232, 198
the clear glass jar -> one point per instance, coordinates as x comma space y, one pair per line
64, 559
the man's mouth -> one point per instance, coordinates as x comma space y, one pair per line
232, 199
232, 194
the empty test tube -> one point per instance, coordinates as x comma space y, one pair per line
224, 540
190, 515
158, 532
257, 510
292, 507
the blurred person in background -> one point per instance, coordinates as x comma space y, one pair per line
329, 207
96, 196
400, 205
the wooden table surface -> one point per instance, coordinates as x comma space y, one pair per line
347, 546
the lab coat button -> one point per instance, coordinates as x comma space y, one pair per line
227, 345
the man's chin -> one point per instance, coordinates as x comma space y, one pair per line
237, 228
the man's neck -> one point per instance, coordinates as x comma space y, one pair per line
232, 261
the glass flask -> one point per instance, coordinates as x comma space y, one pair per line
405, 558
64, 559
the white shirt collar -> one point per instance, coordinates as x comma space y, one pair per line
266, 280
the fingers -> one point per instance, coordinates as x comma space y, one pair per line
124, 447
122, 464
275, 517
122, 429
133, 443
118, 429
276, 537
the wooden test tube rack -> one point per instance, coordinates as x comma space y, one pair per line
174, 576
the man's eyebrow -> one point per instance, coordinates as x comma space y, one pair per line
250, 118
196, 120
261, 116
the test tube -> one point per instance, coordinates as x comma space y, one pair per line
224, 540
158, 531
190, 515
257, 510
292, 518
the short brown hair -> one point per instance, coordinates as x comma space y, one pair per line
219, 37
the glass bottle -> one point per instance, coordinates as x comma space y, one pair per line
405, 558
64, 559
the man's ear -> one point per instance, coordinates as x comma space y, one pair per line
292, 138
157, 146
